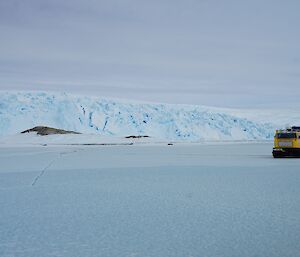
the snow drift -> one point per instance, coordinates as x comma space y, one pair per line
22, 110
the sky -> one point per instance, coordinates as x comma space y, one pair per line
233, 53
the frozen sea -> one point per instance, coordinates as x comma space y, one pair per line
185, 200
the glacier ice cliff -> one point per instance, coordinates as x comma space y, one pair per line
23, 110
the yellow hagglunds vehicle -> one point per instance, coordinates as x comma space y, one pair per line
287, 143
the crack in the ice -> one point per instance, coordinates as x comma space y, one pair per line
43, 171
50, 164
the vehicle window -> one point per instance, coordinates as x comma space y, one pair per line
286, 135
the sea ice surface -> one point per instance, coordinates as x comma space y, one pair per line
148, 200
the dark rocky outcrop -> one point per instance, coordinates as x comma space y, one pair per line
136, 136
44, 131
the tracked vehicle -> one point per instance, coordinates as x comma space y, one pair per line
287, 143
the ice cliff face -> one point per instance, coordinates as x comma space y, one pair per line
23, 110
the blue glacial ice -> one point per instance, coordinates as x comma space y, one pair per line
22, 110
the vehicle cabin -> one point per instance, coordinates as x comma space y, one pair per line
287, 143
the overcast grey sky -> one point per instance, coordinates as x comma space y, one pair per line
237, 53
